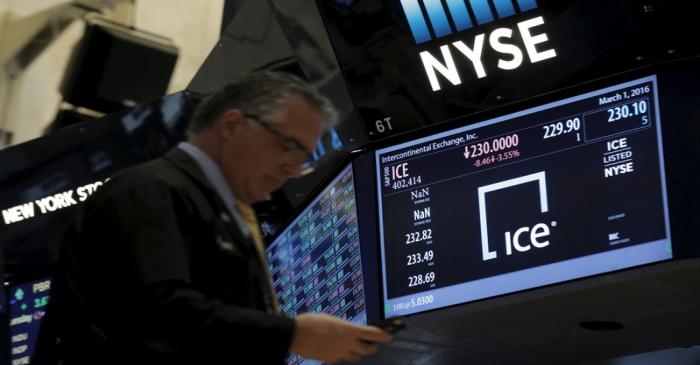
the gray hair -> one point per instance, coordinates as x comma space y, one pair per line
262, 94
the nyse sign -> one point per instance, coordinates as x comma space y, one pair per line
501, 40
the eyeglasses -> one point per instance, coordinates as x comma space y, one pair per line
291, 145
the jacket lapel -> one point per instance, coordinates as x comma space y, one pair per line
189, 166
184, 162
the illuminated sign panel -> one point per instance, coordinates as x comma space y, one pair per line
443, 66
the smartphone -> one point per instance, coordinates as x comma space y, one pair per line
391, 325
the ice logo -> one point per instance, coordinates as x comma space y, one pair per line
536, 235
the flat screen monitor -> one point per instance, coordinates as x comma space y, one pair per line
27, 307
316, 263
560, 191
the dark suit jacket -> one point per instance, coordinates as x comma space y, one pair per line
156, 271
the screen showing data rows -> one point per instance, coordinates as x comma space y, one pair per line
315, 262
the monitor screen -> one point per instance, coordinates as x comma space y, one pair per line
27, 308
560, 191
315, 262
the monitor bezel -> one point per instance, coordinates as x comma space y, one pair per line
682, 245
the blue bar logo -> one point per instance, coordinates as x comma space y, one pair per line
484, 11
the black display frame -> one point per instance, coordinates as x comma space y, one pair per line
681, 153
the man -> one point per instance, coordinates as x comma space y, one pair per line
161, 266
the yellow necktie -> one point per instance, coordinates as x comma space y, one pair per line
248, 215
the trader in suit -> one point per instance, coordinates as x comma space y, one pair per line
163, 266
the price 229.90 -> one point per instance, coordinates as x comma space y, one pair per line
420, 236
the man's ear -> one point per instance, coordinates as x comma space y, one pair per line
229, 124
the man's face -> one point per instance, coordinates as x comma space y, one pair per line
258, 161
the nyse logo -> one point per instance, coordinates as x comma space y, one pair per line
500, 40
535, 236
459, 13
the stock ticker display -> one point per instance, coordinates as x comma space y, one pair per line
557, 192
27, 308
315, 262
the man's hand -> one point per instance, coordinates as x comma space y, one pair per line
327, 338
